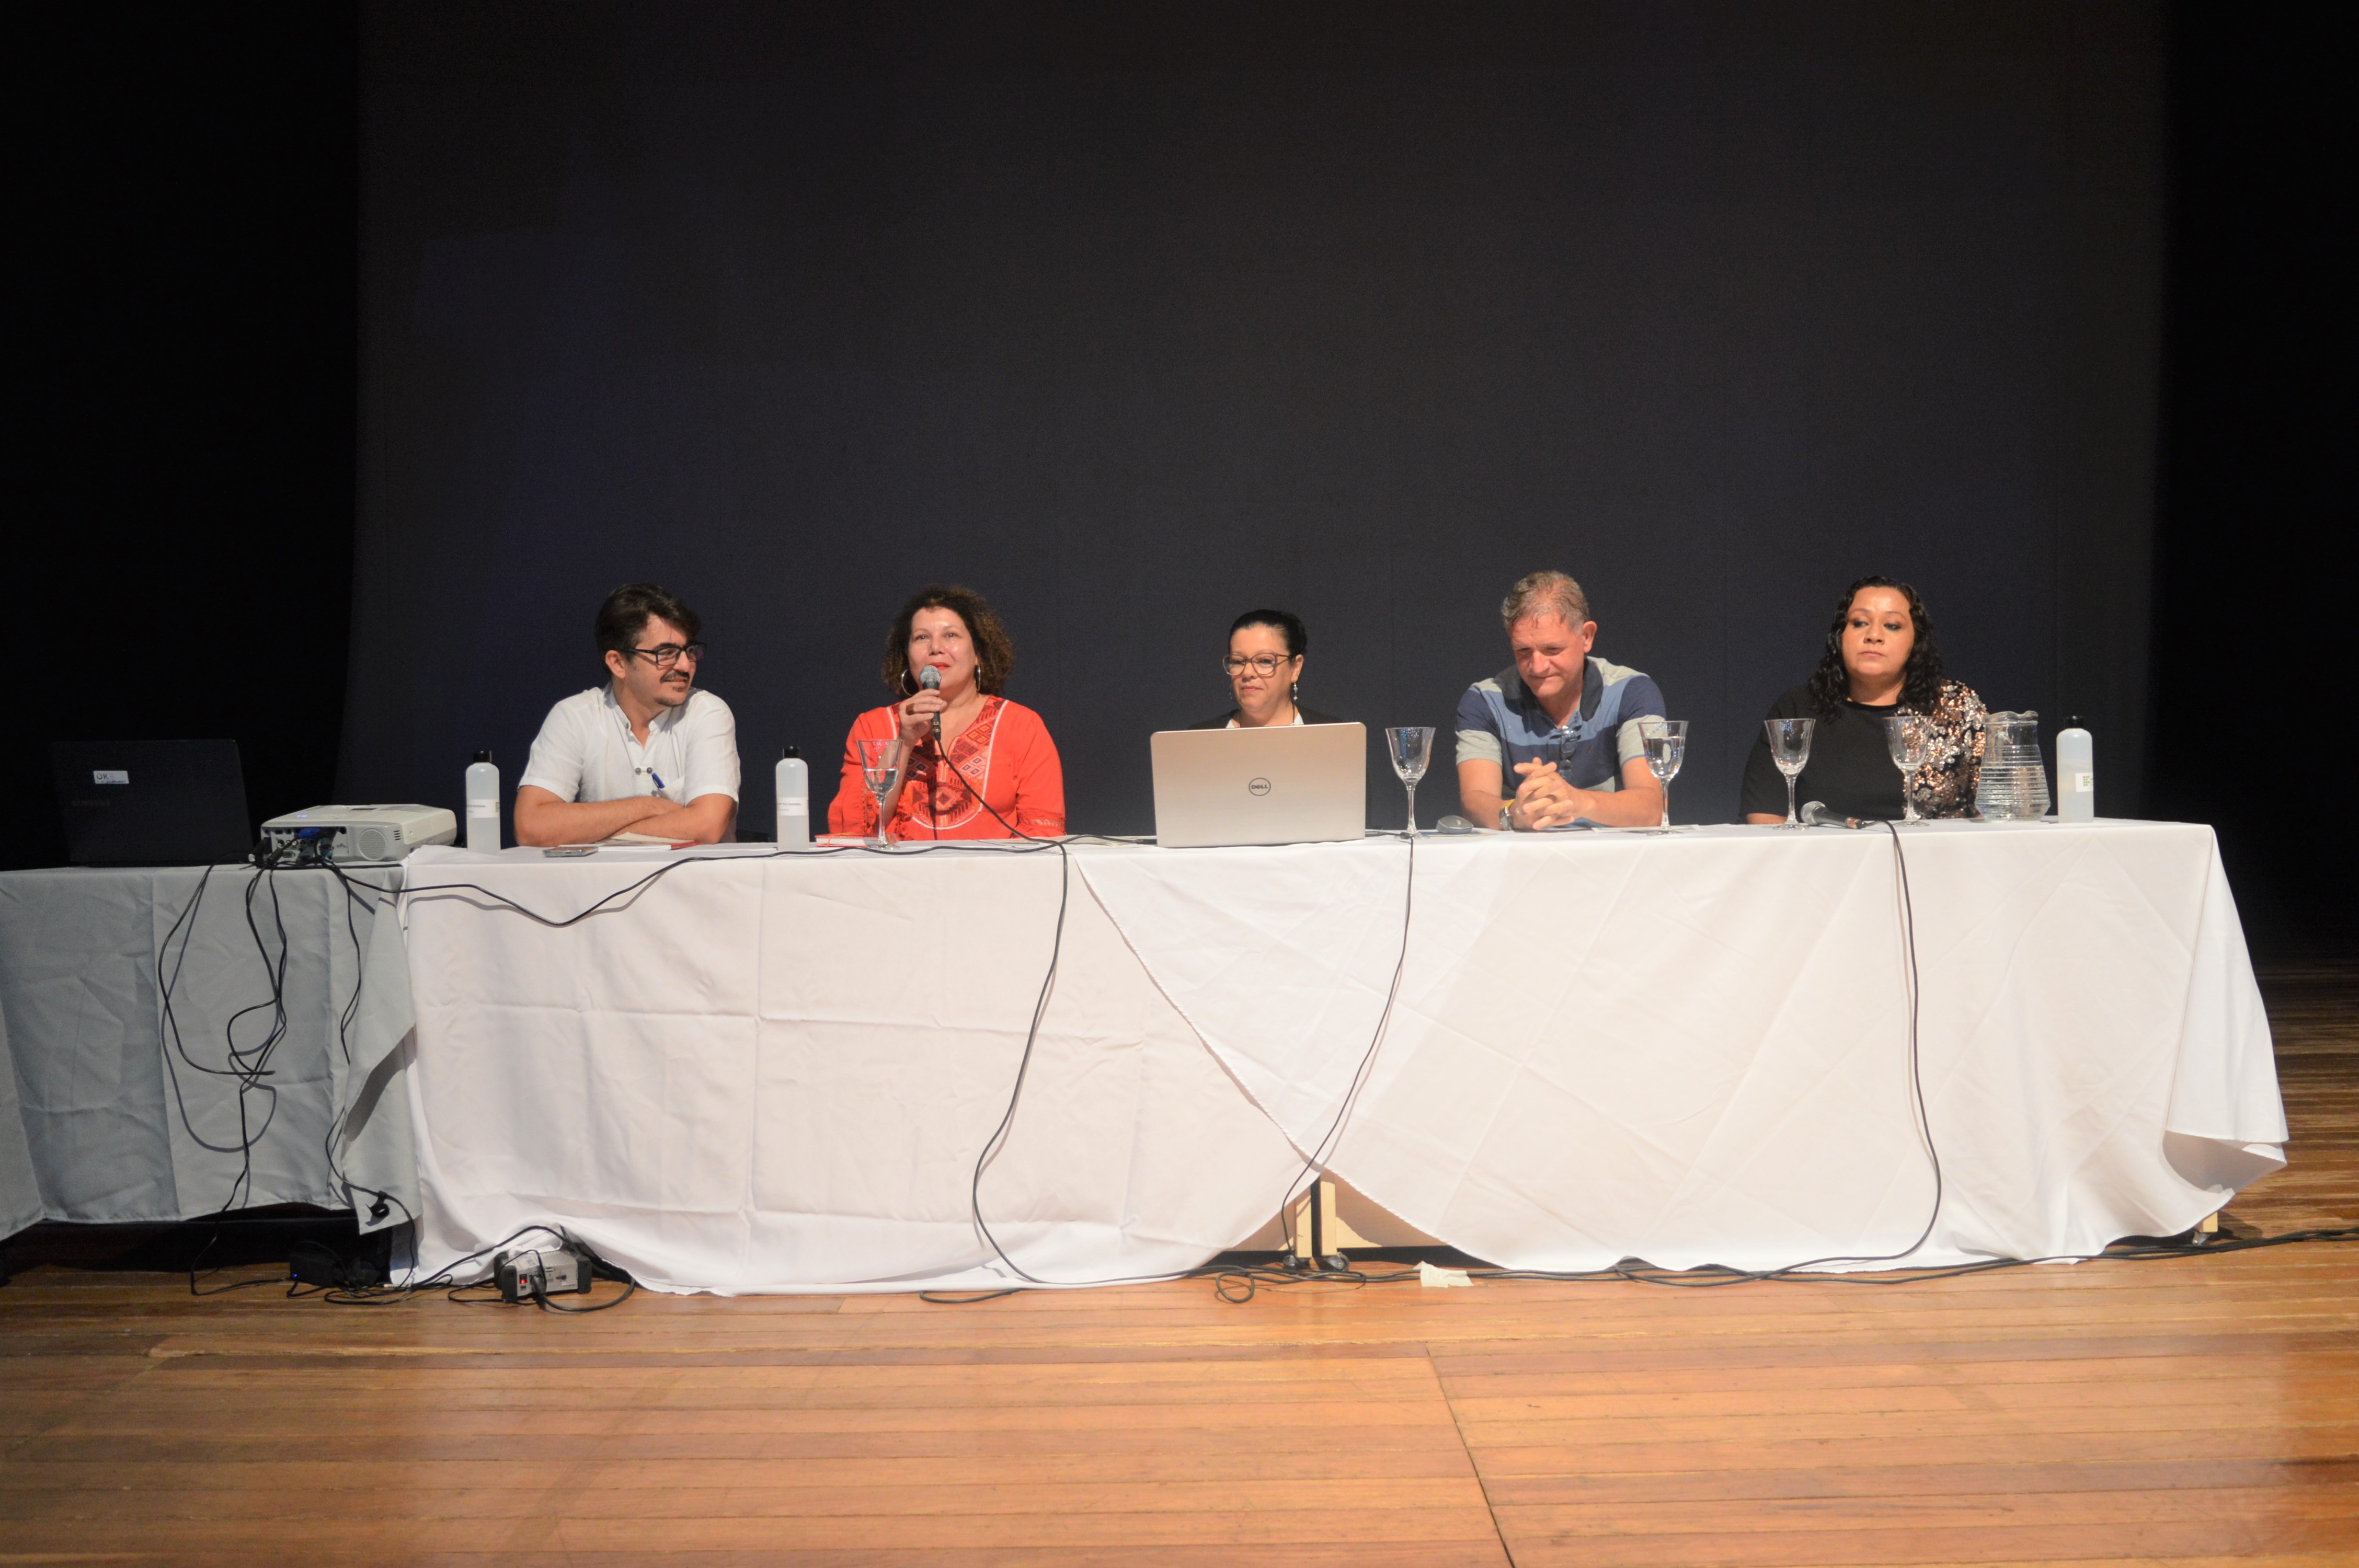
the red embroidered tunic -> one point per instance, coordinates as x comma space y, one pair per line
1005, 758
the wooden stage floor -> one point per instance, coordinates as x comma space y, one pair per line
2195, 1410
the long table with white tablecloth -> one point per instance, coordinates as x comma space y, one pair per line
760, 1071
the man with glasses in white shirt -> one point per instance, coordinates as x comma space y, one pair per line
644, 754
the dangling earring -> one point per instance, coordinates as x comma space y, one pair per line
1294, 694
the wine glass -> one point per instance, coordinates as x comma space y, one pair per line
1412, 749
1667, 748
1905, 737
880, 769
1789, 748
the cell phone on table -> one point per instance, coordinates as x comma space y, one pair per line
571, 851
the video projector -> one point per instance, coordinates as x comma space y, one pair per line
364, 835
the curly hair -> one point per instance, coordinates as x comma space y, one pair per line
1921, 678
994, 650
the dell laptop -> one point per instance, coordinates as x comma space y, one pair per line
1278, 784
151, 803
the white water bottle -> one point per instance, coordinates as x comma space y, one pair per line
483, 805
794, 801
2076, 775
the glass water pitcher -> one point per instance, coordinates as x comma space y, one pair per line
2013, 784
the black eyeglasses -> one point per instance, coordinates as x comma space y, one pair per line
664, 656
1264, 665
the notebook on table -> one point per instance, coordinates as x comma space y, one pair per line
151, 803
1292, 784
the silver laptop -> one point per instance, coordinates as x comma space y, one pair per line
1276, 785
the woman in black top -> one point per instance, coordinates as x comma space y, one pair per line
1880, 660
1264, 665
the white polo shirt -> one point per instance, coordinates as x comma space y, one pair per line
586, 751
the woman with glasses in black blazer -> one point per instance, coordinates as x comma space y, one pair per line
1264, 665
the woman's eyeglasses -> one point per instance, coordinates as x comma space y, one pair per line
1262, 665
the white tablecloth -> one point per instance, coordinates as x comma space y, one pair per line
775, 1073
1693, 1048
102, 1117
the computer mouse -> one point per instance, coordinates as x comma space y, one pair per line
1453, 825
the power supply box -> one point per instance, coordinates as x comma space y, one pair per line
364, 835
550, 1271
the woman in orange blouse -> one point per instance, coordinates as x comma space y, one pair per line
979, 766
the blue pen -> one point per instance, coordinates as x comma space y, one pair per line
658, 778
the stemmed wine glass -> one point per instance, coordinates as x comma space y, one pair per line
1789, 748
1667, 748
880, 769
1411, 749
1906, 737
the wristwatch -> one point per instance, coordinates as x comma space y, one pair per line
1506, 816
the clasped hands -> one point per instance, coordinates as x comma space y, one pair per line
1545, 799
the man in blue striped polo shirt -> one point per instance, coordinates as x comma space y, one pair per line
1566, 722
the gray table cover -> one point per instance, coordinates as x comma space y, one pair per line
102, 1117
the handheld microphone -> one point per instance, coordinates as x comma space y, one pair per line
1816, 814
931, 679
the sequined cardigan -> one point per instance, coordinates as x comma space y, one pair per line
1944, 786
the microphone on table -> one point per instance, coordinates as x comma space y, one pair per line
1816, 814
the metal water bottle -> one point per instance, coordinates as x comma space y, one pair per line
2076, 773
794, 800
483, 805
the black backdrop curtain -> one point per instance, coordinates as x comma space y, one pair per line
1133, 317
